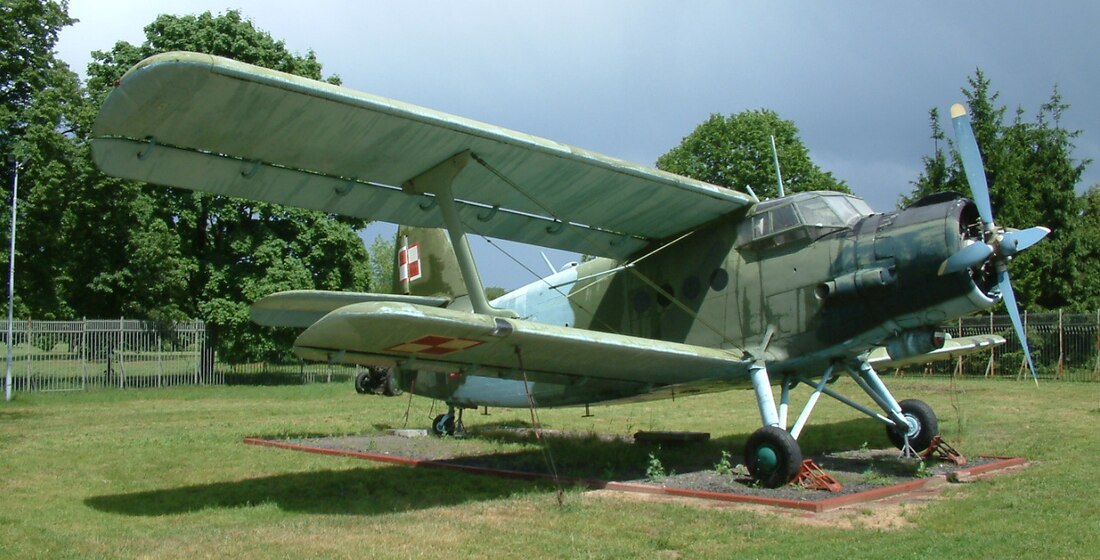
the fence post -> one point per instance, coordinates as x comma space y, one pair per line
160, 358
121, 368
31, 381
1061, 345
991, 367
1021, 374
1096, 369
84, 353
197, 342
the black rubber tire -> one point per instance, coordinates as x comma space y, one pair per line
784, 448
444, 424
928, 426
390, 387
362, 383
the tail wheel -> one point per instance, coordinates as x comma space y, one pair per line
921, 426
772, 456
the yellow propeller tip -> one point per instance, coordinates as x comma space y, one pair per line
957, 110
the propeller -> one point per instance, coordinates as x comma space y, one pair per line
998, 245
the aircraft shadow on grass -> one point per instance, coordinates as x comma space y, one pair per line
371, 491
358, 491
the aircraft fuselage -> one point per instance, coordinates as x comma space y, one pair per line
815, 276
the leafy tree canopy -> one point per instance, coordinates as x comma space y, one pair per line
1032, 178
97, 246
194, 254
39, 101
735, 151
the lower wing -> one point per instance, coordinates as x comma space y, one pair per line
434, 339
952, 348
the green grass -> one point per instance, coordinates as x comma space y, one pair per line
163, 473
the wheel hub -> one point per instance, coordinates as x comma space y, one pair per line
913, 424
766, 459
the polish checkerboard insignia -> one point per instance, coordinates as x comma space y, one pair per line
408, 263
435, 345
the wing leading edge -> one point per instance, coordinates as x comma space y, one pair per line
212, 124
302, 308
952, 348
420, 337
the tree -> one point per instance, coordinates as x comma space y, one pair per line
381, 265
39, 99
182, 253
28, 33
938, 176
1081, 255
1032, 178
735, 152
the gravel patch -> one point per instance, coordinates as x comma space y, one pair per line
518, 450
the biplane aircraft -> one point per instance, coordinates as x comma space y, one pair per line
695, 287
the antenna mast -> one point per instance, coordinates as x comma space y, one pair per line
778, 174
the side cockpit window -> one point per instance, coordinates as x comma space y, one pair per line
802, 216
774, 221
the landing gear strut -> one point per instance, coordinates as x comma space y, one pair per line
772, 454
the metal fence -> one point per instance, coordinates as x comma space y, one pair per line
121, 353
1064, 346
267, 373
127, 353
77, 355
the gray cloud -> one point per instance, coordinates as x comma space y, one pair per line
630, 79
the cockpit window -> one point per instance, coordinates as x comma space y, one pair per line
818, 212
848, 209
806, 215
774, 220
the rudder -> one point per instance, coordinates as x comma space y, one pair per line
426, 264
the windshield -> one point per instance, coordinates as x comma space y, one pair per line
815, 210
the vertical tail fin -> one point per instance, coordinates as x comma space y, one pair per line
426, 264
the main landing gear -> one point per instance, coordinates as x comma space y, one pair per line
772, 454
920, 427
448, 424
377, 381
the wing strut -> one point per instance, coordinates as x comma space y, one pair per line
437, 182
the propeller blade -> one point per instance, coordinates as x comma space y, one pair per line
1009, 297
972, 162
1016, 241
968, 257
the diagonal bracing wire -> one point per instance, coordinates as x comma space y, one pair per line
583, 233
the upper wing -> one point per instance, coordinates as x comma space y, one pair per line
446, 340
212, 124
952, 348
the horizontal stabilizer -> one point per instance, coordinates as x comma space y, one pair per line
952, 348
429, 338
302, 308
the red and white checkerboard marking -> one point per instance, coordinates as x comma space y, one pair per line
435, 345
408, 263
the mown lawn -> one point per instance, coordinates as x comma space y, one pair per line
163, 473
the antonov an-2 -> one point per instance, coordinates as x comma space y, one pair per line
696, 287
